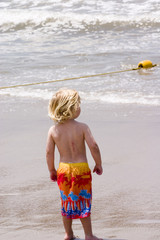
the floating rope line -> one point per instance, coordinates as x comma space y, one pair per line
143, 64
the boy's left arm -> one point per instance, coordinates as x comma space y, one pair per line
94, 149
50, 149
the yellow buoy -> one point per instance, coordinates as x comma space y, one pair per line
146, 64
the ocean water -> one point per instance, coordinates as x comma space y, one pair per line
43, 40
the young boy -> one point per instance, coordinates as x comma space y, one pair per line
73, 175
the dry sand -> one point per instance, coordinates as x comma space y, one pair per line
126, 198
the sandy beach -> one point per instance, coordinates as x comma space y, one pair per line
125, 198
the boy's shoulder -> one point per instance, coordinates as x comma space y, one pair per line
51, 129
78, 124
82, 125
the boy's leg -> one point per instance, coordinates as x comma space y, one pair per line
87, 226
68, 228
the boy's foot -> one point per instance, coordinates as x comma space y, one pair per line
69, 237
92, 238
73, 238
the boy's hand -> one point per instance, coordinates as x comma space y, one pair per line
53, 175
98, 169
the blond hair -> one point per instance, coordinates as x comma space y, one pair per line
63, 105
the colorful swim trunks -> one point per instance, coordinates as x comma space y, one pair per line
75, 184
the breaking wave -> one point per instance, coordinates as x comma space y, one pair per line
115, 98
15, 20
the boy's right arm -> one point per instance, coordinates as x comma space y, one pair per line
50, 148
94, 149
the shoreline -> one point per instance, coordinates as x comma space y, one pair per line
125, 197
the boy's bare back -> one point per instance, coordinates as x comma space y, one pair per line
70, 138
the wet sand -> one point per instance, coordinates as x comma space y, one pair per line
125, 198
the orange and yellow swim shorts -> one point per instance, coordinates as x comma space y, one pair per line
75, 184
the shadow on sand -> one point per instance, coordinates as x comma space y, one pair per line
104, 239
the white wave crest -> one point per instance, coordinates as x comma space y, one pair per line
107, 97
13, 20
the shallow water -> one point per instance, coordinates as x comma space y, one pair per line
41, 41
